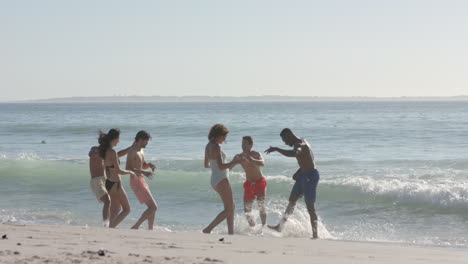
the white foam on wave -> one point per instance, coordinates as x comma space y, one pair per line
20, 156
298, 224
27, 156
441, 193
278, 178
28, 216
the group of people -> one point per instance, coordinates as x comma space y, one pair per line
106, 181
104, 165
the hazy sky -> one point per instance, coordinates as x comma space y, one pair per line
233, 48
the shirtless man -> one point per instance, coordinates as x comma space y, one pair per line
306, 177
98, 180
136, 163
255, 185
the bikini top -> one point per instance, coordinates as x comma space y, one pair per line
112, 166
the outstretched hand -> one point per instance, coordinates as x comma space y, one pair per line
270, 150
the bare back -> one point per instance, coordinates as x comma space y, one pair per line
96, 164
211, 151
305, 157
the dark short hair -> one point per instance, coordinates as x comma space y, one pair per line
285, 131
142, 134
248, 139
218, 130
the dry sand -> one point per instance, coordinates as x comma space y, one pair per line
72, 244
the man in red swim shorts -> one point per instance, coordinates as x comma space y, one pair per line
136, 163
255, 185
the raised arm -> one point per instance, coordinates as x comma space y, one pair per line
124, 152
288, 153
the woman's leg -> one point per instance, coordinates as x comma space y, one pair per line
125, 207
225, 192
115, 206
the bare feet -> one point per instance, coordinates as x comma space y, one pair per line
277, 228
315, 236
206, 231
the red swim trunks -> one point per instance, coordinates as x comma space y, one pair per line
254, 189
141, 189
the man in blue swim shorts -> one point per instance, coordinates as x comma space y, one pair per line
306, 177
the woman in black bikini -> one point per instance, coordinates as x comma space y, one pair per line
120, 206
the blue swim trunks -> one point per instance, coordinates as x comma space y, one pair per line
306, 184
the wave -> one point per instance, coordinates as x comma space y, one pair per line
354, 206
435, 188
444, 195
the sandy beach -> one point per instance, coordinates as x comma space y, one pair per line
73, 244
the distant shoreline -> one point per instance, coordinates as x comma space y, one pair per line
194, 99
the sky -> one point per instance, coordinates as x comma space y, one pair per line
53, 49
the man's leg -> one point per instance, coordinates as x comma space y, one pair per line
289, 210
151, 210
248, 212
261, 208
310, 195
313, 218
151, 218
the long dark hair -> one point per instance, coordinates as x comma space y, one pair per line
105, 141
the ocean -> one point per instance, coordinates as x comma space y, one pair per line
394, 172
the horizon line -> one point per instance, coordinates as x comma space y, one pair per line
204, 98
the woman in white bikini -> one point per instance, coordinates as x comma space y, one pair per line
215, 159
